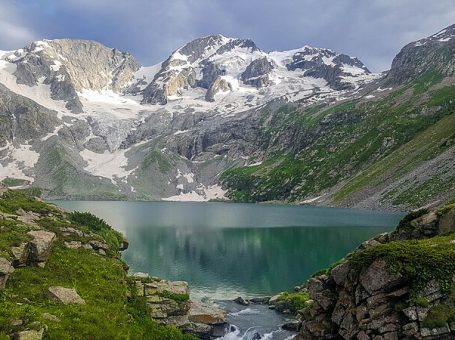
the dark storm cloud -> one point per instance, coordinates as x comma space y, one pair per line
372, 30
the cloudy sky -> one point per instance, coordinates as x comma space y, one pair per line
372, 30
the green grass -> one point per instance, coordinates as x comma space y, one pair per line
439, 316
100, 280
174, 296
295, 301
419, 261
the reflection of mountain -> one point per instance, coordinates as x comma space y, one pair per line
234, 247
255, 260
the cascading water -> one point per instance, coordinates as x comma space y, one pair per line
254, 322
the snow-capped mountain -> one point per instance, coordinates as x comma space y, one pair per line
84, 120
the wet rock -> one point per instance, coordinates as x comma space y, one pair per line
40, 247
293, 326
206, 314
64, 295
241, 301
260, 300
199, 330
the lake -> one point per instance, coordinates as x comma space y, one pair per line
225, 250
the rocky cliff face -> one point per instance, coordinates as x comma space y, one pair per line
397, 285
434, 54
111, 128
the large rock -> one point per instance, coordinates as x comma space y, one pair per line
29, 335
206, 314
6, 268
67, 296
40, 247
377, 277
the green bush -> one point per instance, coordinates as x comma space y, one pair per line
174, 296
89, 220
295, 301
439, 316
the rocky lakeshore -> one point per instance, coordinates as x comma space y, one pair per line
398, 285
62, 277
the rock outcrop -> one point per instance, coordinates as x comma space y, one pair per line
168, 303
367, 297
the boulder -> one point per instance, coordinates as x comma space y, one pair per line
66, 296
199, 330
98, 245
340, 273
124, 244
206, 314
39, 247
376, 277
241, 301
447, 222
6, 269
260, 300
292, 326
29, 335
69, 231
72, 244
20, 255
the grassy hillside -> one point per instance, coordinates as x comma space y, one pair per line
354, 149
99, 277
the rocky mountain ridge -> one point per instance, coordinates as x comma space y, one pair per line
99, 125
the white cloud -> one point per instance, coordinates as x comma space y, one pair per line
14, 32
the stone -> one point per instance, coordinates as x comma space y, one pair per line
206, 314
102, 252
51, 317
274, 299
390, 336
29, 335
98, 245
292, 326
68, 231
199, 330
377, 277
446, 222
411, 313
73, 244
260, 300
39, 246
64, 295
241, 301
427, 332
315, 286
411, 329
20, 255
124, 244
6, 269
340, 273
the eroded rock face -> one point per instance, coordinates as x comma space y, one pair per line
220, 85
351, 303
257, 73
168, 303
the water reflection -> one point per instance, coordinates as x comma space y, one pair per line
224, 250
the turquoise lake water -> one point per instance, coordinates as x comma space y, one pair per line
225, 250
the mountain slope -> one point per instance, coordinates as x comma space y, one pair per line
83, 120
391, 147
116, 129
